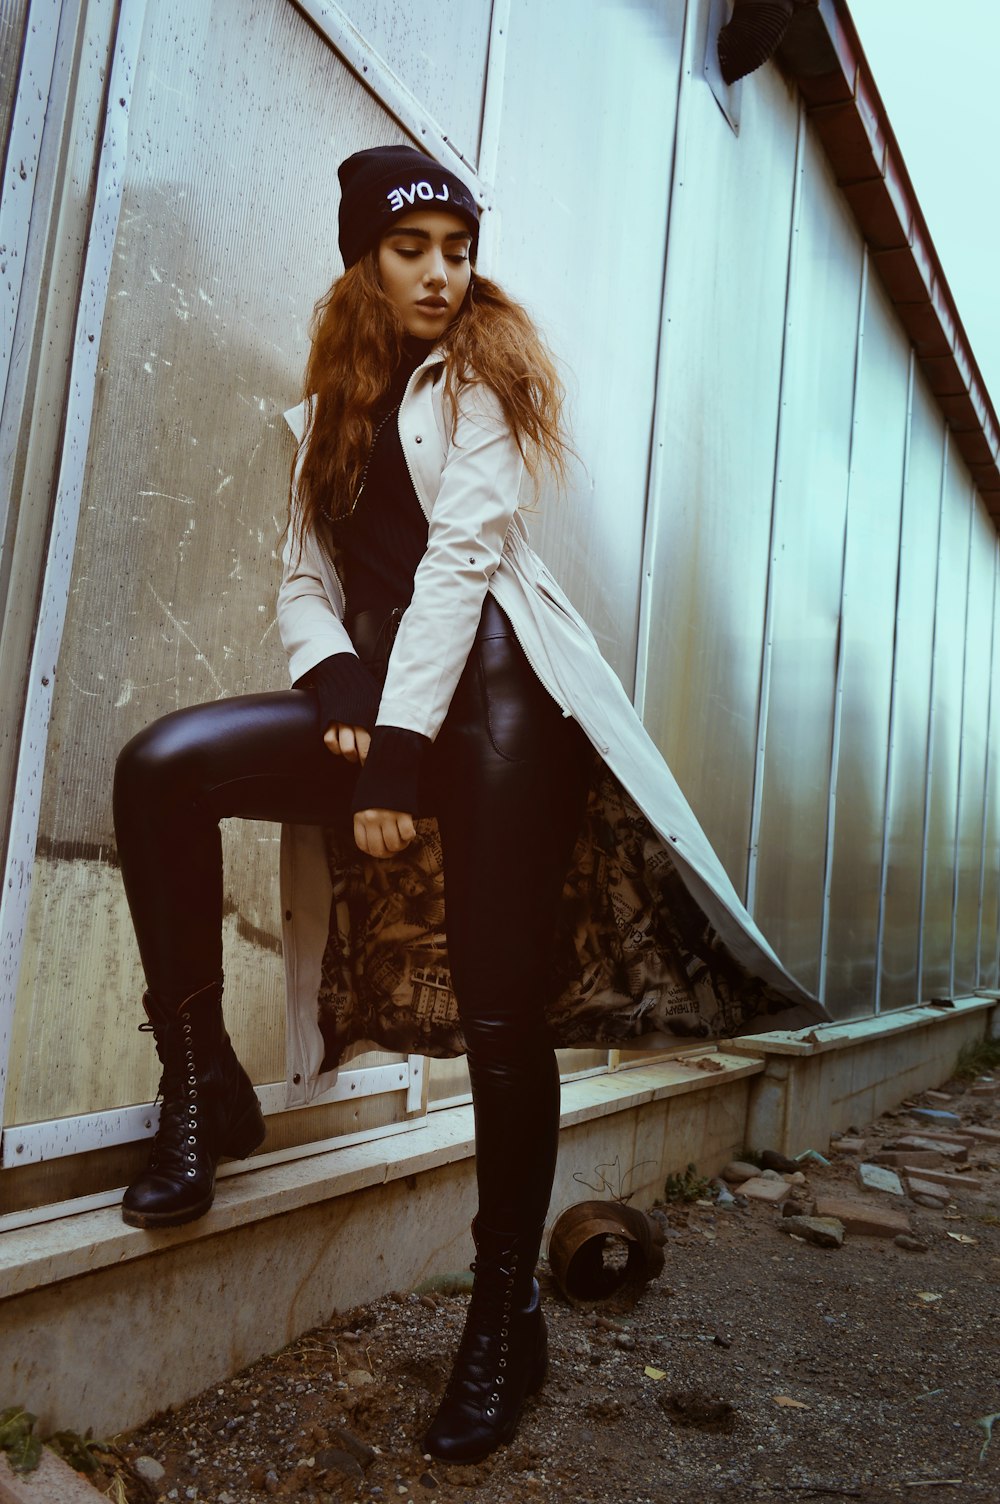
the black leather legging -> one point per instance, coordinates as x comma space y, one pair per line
508, 779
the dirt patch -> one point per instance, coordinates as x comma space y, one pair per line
758, 1367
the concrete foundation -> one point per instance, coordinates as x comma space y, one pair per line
101, 1325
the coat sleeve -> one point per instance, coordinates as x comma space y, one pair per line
469, 522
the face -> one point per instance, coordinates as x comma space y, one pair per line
424, 268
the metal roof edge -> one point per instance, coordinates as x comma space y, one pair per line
823, 54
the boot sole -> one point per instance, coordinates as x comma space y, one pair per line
245, 1138
153, 1220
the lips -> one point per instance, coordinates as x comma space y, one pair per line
433, 305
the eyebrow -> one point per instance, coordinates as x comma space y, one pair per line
426, 234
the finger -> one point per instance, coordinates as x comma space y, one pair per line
331, 737
363, 741
407, 829
348, 745
368, 835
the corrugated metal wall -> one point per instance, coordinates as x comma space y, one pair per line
768, 530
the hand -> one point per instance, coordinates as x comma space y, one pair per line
383, 832
349, 742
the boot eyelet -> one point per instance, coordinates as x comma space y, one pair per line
496, 1398
190, 1174
498, 1381
490, 1410
192, 1158
502, 1363
503, 1345
191, 1139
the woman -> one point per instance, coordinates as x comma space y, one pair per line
407, 595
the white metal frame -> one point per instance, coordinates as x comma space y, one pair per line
388, 88
31, 1143
21, 166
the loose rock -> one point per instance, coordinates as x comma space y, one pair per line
738, 1171
911, 1245
825, 1232
772, 1160
150, 1469
878, 1178
862, 1217
336, 1460
765, 1190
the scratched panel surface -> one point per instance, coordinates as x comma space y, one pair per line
12, 18
707, 563
227, 237
914, 648
438, 49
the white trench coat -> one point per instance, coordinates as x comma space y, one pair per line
655, 942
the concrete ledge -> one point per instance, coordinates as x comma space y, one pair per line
846, 1036
101, 1324
821, 1082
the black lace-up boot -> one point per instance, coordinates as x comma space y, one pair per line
503, 1354
208, 1110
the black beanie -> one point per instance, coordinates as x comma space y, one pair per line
380, 185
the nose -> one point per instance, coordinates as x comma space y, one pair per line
435, 271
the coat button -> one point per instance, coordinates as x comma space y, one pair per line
418, 439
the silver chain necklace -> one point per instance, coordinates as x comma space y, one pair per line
371, 452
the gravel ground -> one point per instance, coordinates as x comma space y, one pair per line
781, 1371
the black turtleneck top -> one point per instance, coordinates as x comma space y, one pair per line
379, 545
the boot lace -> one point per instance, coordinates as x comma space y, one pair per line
175, 1144
489, 1316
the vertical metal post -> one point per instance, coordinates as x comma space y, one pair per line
889, 759
764, 695
838, 690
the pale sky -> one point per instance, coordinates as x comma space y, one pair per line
935, 67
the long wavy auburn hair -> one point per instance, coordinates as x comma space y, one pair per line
357, 341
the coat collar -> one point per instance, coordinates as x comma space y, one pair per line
297, 417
